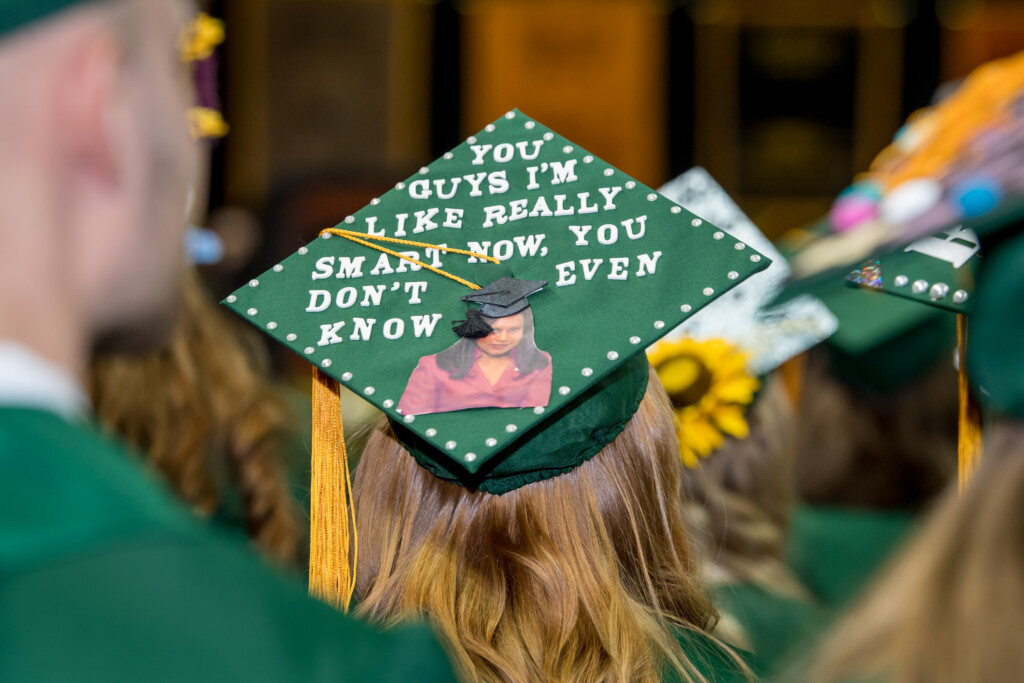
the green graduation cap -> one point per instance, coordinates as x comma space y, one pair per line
937, 269
573, 266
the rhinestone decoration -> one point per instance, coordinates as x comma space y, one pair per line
409, 419
696, 222
326, 362
375, 201
491, 442
869, 275
567, 149
278, 268
388, 403
309, 350
651, 197
431, 433
613, 355
292, 337
960, 296
510, 115
346, 376
630, 184
589, 159
252, 311
634, 340
900, 280
471, 139
450, 445
232, 299
511, 428
609, 172
719, 235
754, 258
659, 324
938, 291
352, 219
676, 209
369, 391
733, 275
539, 410
254, 283
739, 246
303, 251
686, 308
564, 391
489, 127
708, 291
271, 325
586, 372
470, 457
919, 286
548, 136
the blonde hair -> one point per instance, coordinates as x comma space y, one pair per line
202, 413
740, 500
951, 609
581, 577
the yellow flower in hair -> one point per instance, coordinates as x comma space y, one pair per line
200, 37
710, 389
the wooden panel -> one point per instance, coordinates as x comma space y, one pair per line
594, 70
321, 87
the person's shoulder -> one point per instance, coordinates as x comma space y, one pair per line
199, 610
65, 487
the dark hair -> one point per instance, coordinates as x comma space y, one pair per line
457, 359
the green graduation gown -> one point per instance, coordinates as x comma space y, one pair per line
836, 551
104, 577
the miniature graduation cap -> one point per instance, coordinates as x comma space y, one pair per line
710, 363
371, 305
499, 299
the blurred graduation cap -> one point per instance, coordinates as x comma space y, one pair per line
709, 364
372, 302
950, 180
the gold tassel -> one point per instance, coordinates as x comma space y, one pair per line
969, 443
331, 575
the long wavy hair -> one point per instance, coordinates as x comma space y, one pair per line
583, 577
204, 415
740, 499
951, 607
457, 359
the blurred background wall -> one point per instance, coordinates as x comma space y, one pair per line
331, 102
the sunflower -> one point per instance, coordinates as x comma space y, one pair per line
710, 389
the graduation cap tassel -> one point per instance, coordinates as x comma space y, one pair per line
473, 327
331, 574
969, 440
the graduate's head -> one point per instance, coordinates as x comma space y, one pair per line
97, 161
506, 333
544, 538
545, 568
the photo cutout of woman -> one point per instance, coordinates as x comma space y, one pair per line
495, 364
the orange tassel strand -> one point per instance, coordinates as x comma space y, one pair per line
331, 573
969, 443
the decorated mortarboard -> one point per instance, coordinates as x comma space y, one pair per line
955, 163
937, 269
709, 364
883, 343
375, 303
769, 335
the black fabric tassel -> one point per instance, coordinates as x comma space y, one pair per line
473, 327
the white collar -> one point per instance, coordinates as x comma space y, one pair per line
27, 380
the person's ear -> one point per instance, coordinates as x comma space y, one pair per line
89, 110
